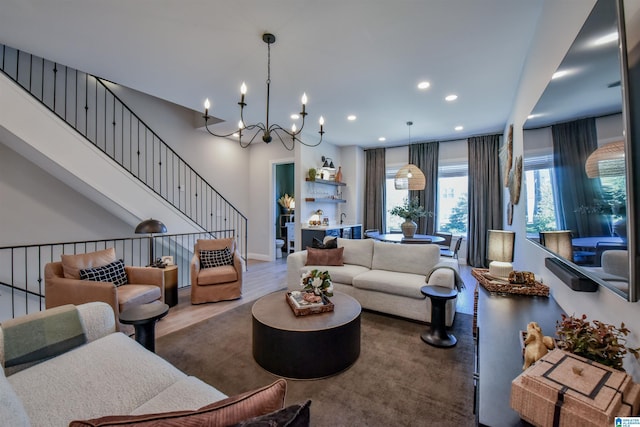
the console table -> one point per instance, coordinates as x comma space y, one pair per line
500, 318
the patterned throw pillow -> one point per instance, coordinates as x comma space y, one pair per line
216, 258
113, 272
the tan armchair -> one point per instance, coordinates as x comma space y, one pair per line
63, 285
220, 283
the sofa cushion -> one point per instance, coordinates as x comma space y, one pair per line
291, 416
391, 282
188, 393
225, 412
72, 264
113, 272
217, 275
132, 294
357, 251
339, 274
325, 256
120, 374
415, 259
12, 412
215, 258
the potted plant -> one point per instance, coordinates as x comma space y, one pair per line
287, 203
410, 210
597, 341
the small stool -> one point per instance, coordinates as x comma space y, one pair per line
437, 335
143, 318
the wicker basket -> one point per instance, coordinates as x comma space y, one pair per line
566, 390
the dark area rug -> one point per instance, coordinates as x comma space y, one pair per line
397, 381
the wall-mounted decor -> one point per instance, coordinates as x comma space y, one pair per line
509, 159
515, 182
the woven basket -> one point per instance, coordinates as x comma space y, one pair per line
566, 390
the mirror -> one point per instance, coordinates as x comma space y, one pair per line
597, 205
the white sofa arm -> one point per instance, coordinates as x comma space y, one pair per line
98, 319
295, 262
442, 277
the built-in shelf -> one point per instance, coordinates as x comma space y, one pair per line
325, 199
324, 181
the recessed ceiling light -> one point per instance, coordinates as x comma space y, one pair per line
351, 118
451, 98
559, 74
609, 38
423, 85
459, 128
295, 116
382, 139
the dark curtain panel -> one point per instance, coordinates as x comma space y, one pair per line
485, 195
580, 197
425, 157
375, 183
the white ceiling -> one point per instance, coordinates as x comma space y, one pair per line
362, 57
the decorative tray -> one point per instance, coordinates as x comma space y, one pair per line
494, 284
303, 308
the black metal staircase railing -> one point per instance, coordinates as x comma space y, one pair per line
86, 104
22, 267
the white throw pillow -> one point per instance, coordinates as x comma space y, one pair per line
416, 259
357, 251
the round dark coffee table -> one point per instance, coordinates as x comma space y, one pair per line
143, 318
437, 335
305, 347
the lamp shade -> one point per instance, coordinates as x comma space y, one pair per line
501, 245
500, 252
607, 160
409, 177
558, 242
150, 226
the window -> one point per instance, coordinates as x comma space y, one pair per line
452, 203
541, 195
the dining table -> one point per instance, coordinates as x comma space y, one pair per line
399, 238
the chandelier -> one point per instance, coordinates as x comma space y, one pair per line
267, 129
409, 177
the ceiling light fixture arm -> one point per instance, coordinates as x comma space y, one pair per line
266, 129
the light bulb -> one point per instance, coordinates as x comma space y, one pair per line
240, 124
243, 89
409, 175
304, 98
293, 128
207, 104
321, 121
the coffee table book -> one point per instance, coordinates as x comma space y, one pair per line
303, 308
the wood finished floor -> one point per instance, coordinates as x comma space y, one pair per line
261, 279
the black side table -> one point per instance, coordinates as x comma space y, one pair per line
437, 335
143, 318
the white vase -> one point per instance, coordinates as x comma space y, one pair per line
409, 228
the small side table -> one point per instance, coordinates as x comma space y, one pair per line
437, 335
143, 318
171, 285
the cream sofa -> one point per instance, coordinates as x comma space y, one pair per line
386, 277
109, 375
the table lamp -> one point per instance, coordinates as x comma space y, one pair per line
558, 242
501, 252
150, 226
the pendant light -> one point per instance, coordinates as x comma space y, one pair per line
409, 177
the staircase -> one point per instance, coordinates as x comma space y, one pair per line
72, 125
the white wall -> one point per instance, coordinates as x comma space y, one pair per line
36, 207
559, 24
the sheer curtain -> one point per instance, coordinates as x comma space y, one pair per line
485, 195
425, 157
580, 197
375, 196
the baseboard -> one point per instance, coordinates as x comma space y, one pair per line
569, 276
